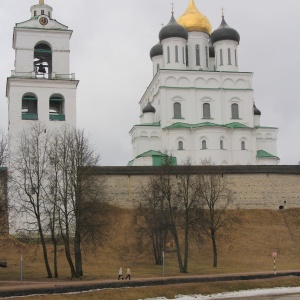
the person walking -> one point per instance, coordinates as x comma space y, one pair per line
120, 274
128, 273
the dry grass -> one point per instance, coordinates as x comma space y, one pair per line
247, 248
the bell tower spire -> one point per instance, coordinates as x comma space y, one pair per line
42, 2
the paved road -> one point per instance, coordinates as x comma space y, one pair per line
16, 288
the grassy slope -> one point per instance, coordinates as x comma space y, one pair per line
248, 247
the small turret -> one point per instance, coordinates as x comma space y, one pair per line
173, 38
148, 114
225, 41
41, 9
257, 114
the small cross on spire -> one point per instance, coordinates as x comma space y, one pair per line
222, 12
172, 4
162, 24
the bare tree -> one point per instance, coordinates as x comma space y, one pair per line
3, 147
216, 196
3, 202
189, 203
3, 183
169, 206
149, 218
29, 164
81, 199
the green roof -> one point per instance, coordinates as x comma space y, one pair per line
149, 124
206, 124
158, 158
264, 154
151, 153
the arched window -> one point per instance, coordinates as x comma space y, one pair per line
43, 60
221, 144
180, 145
168, 53
56, 108
177, 110
206, 55
34, 13
29, 107
204, 146
176, 54
234, 111
49, 14
206, 111
243, 145
157, 67
221, 57
183, 54
235, 57
229, 56
197, 55
42, 12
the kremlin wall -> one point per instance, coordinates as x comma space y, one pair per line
255, 187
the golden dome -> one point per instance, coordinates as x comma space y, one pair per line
193, 20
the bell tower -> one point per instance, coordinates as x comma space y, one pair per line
41, 87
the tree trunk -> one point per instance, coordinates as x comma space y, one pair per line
180, 264
214, 244
55, 259
69, 257
186, 247
49, 273
78, 256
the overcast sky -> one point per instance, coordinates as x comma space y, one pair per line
110, 56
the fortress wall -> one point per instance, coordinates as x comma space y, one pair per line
255, 187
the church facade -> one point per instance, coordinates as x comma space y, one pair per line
199, 106
41, 88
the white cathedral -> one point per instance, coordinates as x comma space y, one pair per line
199, 106
41, 87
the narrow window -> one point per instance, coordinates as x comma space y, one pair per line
176, 53
180, 145
197, 55
42, 12
49, 14
183, 55
235, 111
187, 55
168, 53
243, 145
34, 13
206, 111
221, 144
235, 57
177, 110
157, 67
221, 57
229, 56
206, 55
204, 144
